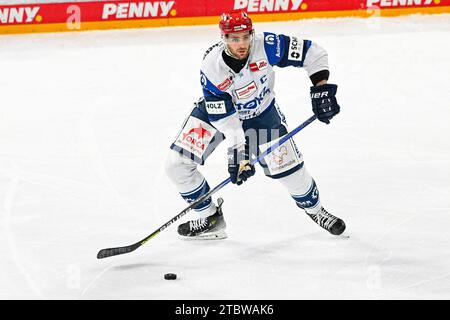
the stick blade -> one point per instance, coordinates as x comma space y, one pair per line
109, 252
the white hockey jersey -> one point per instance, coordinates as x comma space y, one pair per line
233, 97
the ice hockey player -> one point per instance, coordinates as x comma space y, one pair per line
238, 104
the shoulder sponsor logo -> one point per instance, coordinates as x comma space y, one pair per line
270, 39
19, 15
247, 91
216, 107
278, 54
203, 80
225, 85
295, 49
399, 3
258, 65
267, 5
129, 10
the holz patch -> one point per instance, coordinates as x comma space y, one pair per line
216, 107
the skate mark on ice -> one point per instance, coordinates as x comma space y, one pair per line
7, 213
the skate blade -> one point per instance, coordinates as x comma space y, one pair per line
218, 235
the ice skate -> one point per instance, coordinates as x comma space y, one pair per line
326, 220
209, 228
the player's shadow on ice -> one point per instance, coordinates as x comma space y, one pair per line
293, 245
133, 266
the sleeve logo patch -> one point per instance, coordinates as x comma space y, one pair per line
295, 49
216, 107
258, 65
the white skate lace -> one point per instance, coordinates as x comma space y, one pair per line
325, 219
198, 224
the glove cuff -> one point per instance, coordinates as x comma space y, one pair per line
323, 91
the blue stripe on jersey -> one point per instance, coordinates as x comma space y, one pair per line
208, 85
274, 45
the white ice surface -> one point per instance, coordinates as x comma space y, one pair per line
85, 124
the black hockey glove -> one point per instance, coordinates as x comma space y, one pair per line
239, 166
324, 104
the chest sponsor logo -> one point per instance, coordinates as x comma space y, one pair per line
225, 85
258, 65
216, 107
247, 91
253, 104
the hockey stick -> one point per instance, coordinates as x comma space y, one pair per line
104, 253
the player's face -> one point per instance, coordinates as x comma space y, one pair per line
239, 44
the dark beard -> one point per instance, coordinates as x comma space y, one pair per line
235, 64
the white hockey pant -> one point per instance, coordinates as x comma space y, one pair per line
190, 183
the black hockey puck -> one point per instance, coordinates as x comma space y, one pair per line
170, 276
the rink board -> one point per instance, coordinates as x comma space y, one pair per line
100, 15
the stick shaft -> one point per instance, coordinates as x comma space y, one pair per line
104, 253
